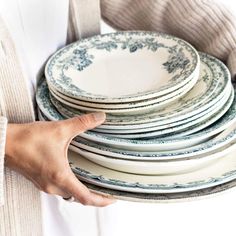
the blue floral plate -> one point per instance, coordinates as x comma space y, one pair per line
122, 67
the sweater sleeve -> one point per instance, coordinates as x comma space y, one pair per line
3, 128
206, 24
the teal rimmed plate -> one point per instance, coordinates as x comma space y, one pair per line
138, 64
221, 171
50, 112
180, 130
215, 80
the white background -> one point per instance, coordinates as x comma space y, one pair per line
214, 216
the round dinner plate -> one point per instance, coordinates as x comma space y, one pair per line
190, 127
154, 144
132, 110
139, 64
161, 155
173, 167
105, 128
142, 167
164, 197
207, 92
220, 171
161, 99
181, 130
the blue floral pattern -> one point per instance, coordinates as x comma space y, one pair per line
81, 56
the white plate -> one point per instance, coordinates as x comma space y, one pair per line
139, 65
124, 128
221, 171
155, 144
164, 197
181, 130
144, 167
207, 92
172, 127
169, 97
161, 155
184, 89
134, 110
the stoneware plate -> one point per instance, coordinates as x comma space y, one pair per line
221, 171
139, 65
156, 167
161, 155
155, 131
105, 128
184, 89
180, 130
207, 92
130, 110
164, 197
50, 113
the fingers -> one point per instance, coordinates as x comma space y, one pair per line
82, 194
82, 123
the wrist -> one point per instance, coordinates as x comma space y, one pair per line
11, 142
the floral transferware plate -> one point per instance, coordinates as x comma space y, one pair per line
215, 80
138, 64
167, 98
155, 144
160, 155
221, 171
171, 167
130, 128
137, 110
124, 105
164, 197
173, 132
190, 127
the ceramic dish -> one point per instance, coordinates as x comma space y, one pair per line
128, 128
207, 117
122, 58
221, 171
181, 130
161, 155
195, 102
130, 111
141, 167
155, 144
164, 197
168, 97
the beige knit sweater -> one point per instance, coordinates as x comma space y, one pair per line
210, 27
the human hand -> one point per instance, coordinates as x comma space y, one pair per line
39, 152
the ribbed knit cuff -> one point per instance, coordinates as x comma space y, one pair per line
231, 63
3, 129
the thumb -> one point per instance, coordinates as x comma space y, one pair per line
79, 124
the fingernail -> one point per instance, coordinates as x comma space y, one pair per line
99, 116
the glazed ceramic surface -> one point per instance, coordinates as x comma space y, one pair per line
201, 97
161, 155
149, 126
132, 110
122, 60
180, 130
154, 144
163, 197
141, 167
161, 99
221, 171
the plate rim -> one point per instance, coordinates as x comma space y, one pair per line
130, 97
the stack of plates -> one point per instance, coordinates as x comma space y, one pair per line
165, 104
